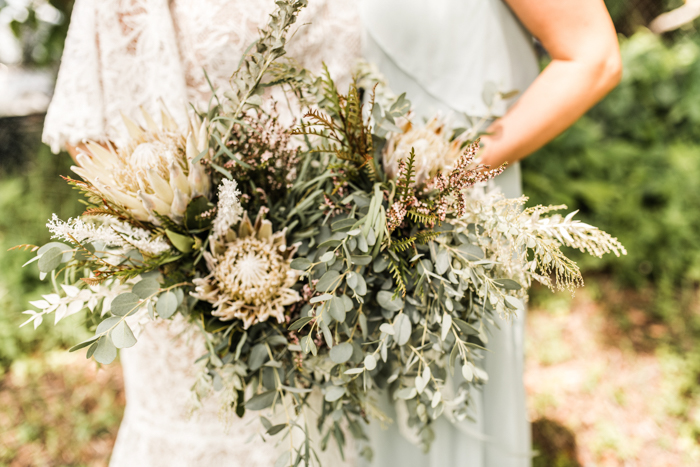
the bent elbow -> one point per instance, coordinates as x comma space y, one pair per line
613, 67
608, 70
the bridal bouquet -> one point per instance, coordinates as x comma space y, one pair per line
346, 253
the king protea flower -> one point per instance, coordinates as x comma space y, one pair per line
434, 151
250, 274
152, 172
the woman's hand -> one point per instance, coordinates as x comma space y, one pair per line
580, 38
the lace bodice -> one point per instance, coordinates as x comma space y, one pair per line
121, 55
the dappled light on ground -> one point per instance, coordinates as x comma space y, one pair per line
617, 400
58, 410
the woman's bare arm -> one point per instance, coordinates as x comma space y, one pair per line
75, 150
580, 38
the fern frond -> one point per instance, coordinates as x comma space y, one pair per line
25, 247
93, 280
406, 181
397, 274
403, 244
426, 219
100, 212
426, 236
330, 92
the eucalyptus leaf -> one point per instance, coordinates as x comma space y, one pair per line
66, 249
145, 288
333, 393
387, 301
327, 334
261, 401
380, 264
351, 279
328, 281
337, 309
50, 260
341, 353
300, 323
471, 252
124, 304
515, 303
361, 260
107, 324
347, 302
360, 287
122, 337
442, 262
403, 327
300, 264
272, 431
507, 284
82, 345
166, 305
308, 345
105, 352
258, 356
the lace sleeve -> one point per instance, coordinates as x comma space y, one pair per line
120, 55
76, 111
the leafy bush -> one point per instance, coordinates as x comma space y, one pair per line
632, 166
29, 194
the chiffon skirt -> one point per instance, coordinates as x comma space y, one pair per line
500, 434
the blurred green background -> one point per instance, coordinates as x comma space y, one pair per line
606, 371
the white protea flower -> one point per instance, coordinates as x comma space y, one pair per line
433, 149
153, 171
250, 277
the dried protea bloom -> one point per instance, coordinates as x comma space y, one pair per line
250, 275
152, 172
434, 151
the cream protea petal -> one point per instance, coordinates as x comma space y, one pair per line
178, 180
180, 201
160, 186
145, 174
150, 123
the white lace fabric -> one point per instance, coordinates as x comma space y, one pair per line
121, 55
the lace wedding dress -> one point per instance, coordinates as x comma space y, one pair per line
121, 55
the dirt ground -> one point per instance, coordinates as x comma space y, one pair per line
596, 396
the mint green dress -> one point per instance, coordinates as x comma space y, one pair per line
443, 54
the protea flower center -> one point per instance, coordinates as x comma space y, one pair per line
150, 155
250, 274
251, 271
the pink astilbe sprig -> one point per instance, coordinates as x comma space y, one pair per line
465, 175
451, 190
